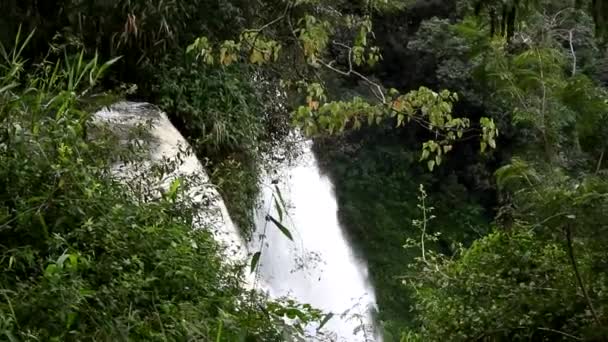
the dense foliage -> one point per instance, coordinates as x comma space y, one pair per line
83, 256
221, 116
540, 274
376, 179
498, 108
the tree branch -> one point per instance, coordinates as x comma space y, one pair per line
578, 276
561, 333
570, 36
599, 162
375, 87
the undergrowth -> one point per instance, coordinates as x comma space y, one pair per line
83, 257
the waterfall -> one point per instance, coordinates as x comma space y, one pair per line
165, 144
318, 267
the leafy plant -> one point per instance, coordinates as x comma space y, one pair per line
83, 256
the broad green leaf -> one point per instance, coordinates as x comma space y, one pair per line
256, 57
172, 194
50, 270
425, 155
225, 58
431, 165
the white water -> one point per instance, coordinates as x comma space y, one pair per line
166, 144
318, 267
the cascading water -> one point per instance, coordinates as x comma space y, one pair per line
167, 145
318, 267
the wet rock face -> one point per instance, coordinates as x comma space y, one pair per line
167, 156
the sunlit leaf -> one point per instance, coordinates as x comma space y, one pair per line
173, 188
425, 155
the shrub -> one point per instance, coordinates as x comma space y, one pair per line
219, 112
81, 257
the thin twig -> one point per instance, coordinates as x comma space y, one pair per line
276, 20
570, 36
578, 276
10, 306
376, 88
599, 162
561, 333
550, 218
548, 149
422, 235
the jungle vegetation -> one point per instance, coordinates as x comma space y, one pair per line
466, 140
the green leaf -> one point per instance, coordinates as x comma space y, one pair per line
8, 87
105, 66
325, 320
400, 118
256, 57
431, 165
172, 193
71, 318
62, 259
281, 227
86, 292
218, 337
280, 195
425, 155
279, 209
50, 270
255, 260
492, 143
